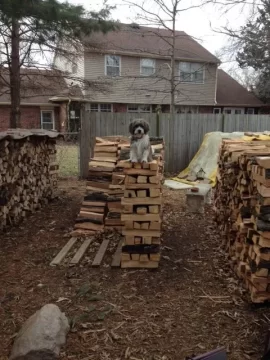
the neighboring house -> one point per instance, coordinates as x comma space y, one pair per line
45, 101
134, 64
233, 98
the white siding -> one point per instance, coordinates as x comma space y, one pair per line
64, 64
131, 87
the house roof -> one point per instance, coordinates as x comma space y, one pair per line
142, 40
37, 86
231, 93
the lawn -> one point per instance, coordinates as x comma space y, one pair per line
68, 159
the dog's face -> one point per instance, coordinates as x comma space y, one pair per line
138, 128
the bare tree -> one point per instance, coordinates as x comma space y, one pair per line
163, 14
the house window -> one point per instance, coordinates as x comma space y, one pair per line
94, 107
191, 72
112, 65
47, 119
148, 67
101, 107
74, 68
250, 111
105, 107
186, 109
236, 111
217, 111
135, 108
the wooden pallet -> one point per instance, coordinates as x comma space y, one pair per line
81, 251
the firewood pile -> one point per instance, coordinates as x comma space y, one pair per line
28, 173
141, 214
101, 208
102, 201
242, 202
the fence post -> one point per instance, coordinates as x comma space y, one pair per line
84, 143
223, 122
158, 121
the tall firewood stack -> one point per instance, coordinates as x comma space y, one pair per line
142, 212
242, 202
28, 173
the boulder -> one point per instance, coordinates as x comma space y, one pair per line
42, 335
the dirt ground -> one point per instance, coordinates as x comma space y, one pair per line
190, 305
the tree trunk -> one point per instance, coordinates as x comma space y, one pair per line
170, 153
172, 107
15, 76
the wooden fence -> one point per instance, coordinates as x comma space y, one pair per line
183, 134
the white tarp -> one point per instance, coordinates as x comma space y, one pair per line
207, 157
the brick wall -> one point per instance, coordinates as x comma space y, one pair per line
206, 109
30, 117
119, 108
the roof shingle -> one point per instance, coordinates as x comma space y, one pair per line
37, 86
150, 41
231, 93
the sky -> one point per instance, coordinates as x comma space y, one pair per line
197, 22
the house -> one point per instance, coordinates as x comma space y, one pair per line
132, 67
45, 101
233, 98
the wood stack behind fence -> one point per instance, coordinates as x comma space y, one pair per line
242, 201
28, 173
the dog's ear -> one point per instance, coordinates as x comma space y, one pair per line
145, 126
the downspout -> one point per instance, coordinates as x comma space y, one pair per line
67, 110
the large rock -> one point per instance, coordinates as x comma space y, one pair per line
42, 335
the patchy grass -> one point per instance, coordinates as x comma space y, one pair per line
68, 159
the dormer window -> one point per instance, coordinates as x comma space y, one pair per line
148, 67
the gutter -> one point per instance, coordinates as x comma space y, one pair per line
149, 55
31, 104
241, 105
62, 98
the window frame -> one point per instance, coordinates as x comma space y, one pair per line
191, 82
139, 109
120, 64
253, 111
74, 68
41, 118
154, 67
217, 108
233, 109
98, 106
111, 108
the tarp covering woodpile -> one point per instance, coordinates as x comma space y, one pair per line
206, 158
242, 204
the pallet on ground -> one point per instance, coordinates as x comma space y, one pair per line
81, 250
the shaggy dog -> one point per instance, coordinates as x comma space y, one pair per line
140, 148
